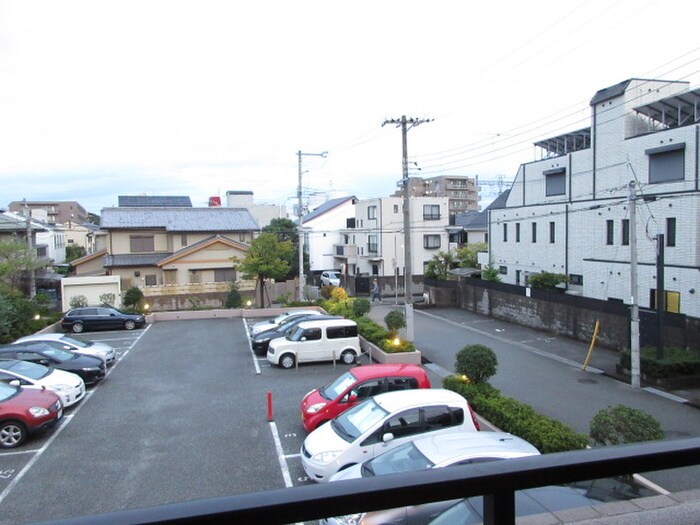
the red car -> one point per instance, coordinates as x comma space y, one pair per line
356, 385
24, 412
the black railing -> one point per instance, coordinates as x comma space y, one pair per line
496, 480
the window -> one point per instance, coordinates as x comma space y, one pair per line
437, 418
609, 232
431, 242
402, 383
396, 208
672, 301
503, 270
340, 332
372, 244
404, 424
555, 182
505, 232
667, 163
224, 275
552, 232
517, 232
141, 243
312, 334
534, 232
371, 212
367, 389
671, 231
151, 280
625, 232
576, 279
183, 239
431, 212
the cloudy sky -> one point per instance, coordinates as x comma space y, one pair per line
166, 97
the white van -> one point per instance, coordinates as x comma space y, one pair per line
325, 340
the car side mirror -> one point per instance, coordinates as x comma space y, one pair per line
15, 382
387, 437
303, 338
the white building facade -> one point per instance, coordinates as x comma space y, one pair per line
373, 244
569, 213
321, 227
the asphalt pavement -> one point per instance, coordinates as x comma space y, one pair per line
547, 372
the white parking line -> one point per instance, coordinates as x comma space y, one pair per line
250, 346
280, 456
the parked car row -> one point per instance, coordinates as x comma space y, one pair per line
42, 374
100, 318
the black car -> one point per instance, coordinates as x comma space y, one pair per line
100, 318
261, 341
92, 369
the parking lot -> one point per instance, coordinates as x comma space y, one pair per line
182, 415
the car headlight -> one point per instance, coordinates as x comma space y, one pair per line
62, 388
327, 456
263, 339
91, 369
38, 411
316, 407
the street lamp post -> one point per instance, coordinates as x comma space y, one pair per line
300, 213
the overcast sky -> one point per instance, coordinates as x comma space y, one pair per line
167, 97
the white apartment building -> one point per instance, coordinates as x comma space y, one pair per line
373, 243
321, 227
569, 212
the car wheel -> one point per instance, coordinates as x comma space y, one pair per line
129, 325
348, 357
287, 361
12, 434
77, 328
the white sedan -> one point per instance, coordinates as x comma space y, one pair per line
104, 351
66, 385
272, 324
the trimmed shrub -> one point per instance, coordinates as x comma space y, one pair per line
676, 362
133, 297
520, 419
622, 424
477, 362
325, 291
395, 320
360, 307
233, 298
371, 330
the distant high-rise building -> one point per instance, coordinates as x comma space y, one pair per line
461, 191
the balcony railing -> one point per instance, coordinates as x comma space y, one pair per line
497, 481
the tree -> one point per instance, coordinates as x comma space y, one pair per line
546, 280
267, 258
74, 252
490, 273
133, 297
394, 320
286, 230
467, 255
439, 265
16, 258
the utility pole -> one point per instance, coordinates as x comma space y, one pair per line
300, 213
634, 321
406, 124
660, 296
32, 251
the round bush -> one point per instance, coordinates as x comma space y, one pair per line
360, 307
622, 424
477, 362
394, 321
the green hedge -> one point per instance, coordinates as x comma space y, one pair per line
520, 419
676, 362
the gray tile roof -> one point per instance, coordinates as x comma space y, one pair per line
131, 259
153, 201
10, 224
179, 219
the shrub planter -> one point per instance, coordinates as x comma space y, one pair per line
380, 356
665, 383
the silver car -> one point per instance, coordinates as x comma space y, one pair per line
430, 452
94, 348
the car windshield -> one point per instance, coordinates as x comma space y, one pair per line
404, 458
75, 342
58, 354
7, 391
352, 424
338, 386
27, 369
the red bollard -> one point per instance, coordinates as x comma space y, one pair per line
269, 406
